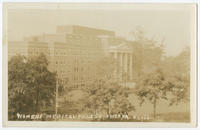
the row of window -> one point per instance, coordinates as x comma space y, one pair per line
65, 51
77, 78
74, 62
77, 37
17, 52
57, 52
61, 53
77, 45
74, 70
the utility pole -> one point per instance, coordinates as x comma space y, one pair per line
56, 107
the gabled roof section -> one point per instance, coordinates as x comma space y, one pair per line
123, 47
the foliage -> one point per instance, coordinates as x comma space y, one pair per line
153, 88
177, 71
107, 97
18, 100
121, 103
31, 86
61, 88
104, 67
171, 81
149, 57
179, 90
147, 52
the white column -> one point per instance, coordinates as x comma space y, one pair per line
131, 71
121, 64
116, 60
125, 65
115, 55
125, 62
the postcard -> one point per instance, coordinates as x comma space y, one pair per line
99, 64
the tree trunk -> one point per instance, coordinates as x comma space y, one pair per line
154, 109
108, 112
37, 100
95, 111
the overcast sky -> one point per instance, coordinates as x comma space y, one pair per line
173, 23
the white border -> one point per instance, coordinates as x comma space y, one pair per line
104, 124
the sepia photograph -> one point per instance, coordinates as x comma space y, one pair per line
95, 63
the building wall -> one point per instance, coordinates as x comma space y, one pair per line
73, 52
82, 30
73, 58
17, 47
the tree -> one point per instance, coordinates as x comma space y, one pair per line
121, 102
153, 87
61, 89
31, 87
44, 85
104, 67
18, 100
103, 96
180, 89
147, 54
177, 72
94, 94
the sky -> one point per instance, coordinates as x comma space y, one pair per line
172, 23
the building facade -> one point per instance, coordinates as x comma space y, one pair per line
16, 48
123, 56
73, 52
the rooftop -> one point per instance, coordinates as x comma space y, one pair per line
83, 30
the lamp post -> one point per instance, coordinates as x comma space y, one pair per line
56, 106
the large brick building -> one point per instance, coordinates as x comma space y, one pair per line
74, 50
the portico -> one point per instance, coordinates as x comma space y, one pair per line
123, 57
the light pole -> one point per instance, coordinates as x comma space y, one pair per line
56, 106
